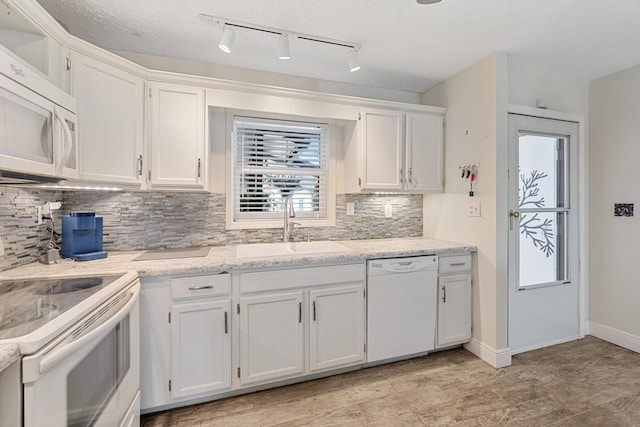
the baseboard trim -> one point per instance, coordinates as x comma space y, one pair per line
495, 358
615, 336
546, 344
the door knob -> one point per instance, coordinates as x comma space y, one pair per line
513, 214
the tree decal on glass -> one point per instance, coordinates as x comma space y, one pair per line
539, 230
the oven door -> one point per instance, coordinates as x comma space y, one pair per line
90, 376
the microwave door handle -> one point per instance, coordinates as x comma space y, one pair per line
52, 359
68, 138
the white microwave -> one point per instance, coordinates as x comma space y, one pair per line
38, 123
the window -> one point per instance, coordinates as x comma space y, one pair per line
276, 159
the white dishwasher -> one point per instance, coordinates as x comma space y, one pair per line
401, 306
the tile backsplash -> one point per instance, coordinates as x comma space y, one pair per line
155, 220
23, 239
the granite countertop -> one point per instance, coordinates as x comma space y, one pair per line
224, 259
9, 353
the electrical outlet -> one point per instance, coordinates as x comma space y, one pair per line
473, 209
388, 211
351, 208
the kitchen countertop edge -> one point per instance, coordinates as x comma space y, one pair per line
223, 259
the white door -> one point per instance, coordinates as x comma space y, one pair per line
177, 136
382, 144
543, 232
423, 153
454, 309
337, 326
111, 121
200, 348
271, 337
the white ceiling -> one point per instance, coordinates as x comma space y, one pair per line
405, 46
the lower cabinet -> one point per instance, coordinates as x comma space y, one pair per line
271, 337
215, 334
200, 347
300, 321
185, 338
454, 300
337, 318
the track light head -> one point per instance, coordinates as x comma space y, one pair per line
353, 61
228, 36
283, 47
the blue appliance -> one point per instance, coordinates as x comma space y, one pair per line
82, 236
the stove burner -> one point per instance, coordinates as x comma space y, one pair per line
11, 317
64, 286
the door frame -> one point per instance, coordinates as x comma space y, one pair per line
582, 208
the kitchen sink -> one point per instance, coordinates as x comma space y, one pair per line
257, 250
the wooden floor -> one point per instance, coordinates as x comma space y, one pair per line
582, 383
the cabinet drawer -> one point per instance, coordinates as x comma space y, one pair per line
454, 264
301, 277
200, 286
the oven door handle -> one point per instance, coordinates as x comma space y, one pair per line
60, 353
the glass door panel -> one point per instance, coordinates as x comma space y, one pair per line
543, 209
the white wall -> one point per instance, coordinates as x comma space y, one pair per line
473, 99
614, 273
267, 78
560, 93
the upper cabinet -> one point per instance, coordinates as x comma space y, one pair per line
176, 137
381, 141
423, 162
111, 121
395, 150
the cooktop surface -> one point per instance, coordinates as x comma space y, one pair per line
28, 304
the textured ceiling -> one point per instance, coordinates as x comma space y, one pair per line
405, 46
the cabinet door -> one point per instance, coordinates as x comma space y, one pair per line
381, 143
336, 326
454, 309
155, 342
271, 337
200, 348
423, 159
177, 136
110, 121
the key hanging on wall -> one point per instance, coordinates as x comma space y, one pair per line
469, 172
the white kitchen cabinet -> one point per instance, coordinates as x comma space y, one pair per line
295, 322
200, 335
176, 140
200, 348
454, 300
423, 152
111, 121
382, 147
185, 339
271, 337
396, 151
336, 326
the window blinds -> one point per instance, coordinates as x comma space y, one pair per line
275, 159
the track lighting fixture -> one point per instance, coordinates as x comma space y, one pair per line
228, 35
283, 47
284, 36
353, 60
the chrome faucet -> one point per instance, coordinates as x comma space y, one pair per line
289, 212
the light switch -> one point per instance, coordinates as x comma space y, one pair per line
473, 209
388, 211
